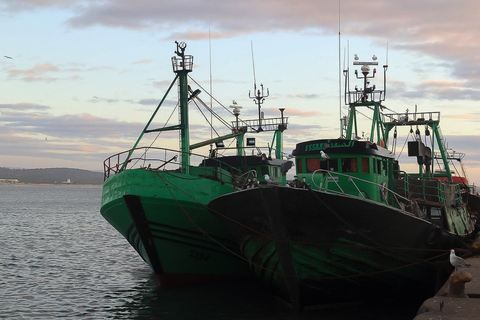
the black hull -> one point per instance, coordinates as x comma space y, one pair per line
312, 247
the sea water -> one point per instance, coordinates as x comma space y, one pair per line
60, 259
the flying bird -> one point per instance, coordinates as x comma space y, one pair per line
457, 261
8, 57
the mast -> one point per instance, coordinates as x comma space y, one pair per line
279, 136
368, 96
259, 98
182, 64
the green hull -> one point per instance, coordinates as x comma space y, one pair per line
190, 243
316, 248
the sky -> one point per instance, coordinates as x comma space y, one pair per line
80, 78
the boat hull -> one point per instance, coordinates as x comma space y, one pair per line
170, 227
312, 247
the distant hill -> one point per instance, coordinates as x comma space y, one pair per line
52, 175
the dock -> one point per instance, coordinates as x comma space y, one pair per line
456, 299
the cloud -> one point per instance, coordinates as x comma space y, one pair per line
310, 96
39, 72
427, 27
23, 106
48, 72
29, 130
430, 29
25, 118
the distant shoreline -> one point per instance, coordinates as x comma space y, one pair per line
51, 184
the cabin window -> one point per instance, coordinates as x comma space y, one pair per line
264, 170
365, 165
275, 172
349, 165
313, 164
330, 165
299, 165
381, 167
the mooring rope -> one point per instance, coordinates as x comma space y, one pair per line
168, 183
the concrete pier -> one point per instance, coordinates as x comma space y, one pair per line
459, 298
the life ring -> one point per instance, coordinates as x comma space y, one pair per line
383, 191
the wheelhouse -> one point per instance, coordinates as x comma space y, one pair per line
359, 168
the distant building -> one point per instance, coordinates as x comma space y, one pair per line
8, 181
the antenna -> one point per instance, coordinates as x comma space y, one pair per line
253, 64
387, 55
339, 73
258, 95
211, 93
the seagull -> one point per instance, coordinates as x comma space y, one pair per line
323, 155
456, 261
236, 107
267, 177
8, 57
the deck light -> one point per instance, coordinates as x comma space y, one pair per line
194, 94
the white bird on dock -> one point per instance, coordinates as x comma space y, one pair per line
457, 261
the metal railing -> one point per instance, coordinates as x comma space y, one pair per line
331, 176
434, 190
149, 159
247, 180
113, 164
411, 117
153, 158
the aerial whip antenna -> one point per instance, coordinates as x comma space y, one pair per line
258, 95
339, 73
211, 93
387, 55
253, 64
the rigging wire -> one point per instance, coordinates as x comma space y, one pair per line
169, 184
406, 140
212, 129
158, 135
225, 108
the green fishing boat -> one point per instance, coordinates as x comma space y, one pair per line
156, 196
353, 225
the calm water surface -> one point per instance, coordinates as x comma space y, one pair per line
60, 259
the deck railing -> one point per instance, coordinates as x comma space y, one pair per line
143, 157
434, 190
328, 177
162, 159
154, 159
